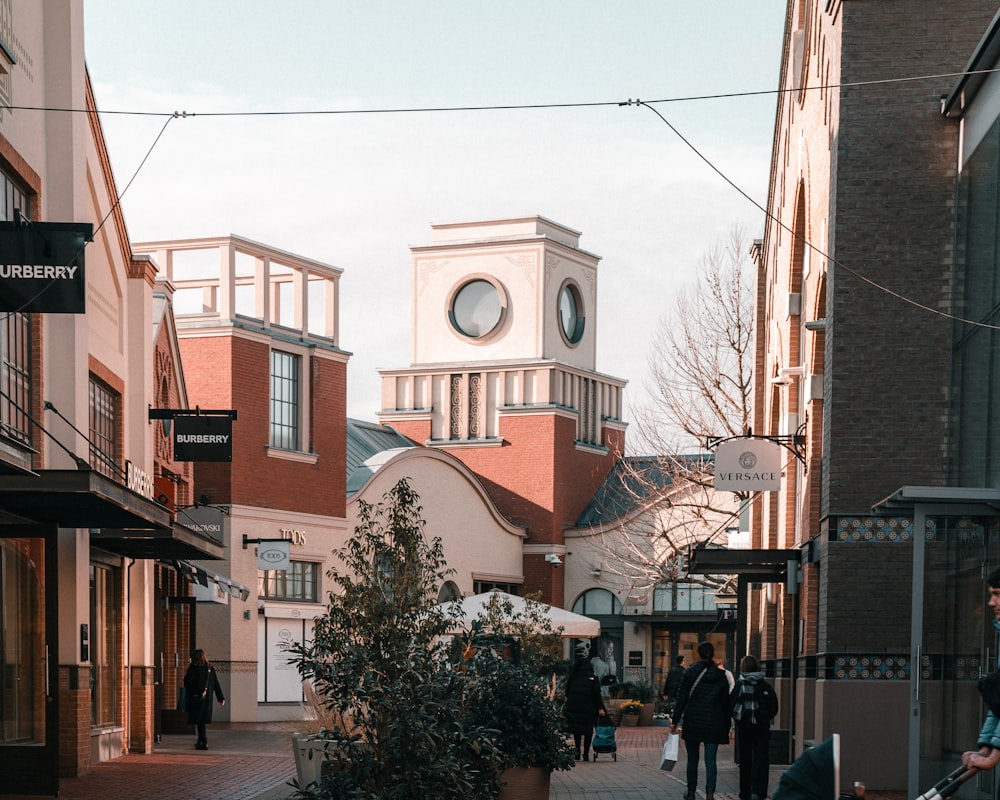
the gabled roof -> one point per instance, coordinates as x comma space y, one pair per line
633, 481
364, 440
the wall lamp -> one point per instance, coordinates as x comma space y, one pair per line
785, 375
553, 559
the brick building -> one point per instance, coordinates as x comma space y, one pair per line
258, 333
865, 267
83, 341
503, 375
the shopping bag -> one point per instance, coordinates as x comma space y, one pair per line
671, 749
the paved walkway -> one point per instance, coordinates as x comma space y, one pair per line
254, 762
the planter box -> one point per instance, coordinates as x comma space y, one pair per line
630, 720
614, 708
525, 783
646, 715
660, 723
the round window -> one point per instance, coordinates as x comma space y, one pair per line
477, 309
571, 319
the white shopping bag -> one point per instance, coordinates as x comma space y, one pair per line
671, 749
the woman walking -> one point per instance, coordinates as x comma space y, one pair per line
200, 683
702, 717
583, 701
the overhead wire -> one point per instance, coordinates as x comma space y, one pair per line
114, 206
537, 106
819, 251
510, 106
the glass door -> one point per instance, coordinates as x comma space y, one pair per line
28, 661
956, 643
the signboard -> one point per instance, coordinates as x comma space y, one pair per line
274, 555
138, 480
200, 437
207, 520
41, 267
748, 465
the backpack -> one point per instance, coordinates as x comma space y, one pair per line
767, 700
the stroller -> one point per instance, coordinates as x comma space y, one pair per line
604, 738
815, 775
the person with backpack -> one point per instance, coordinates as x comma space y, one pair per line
754, 704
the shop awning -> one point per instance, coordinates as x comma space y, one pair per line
970, 500
205, 577
79, 499
176, 542
762, 566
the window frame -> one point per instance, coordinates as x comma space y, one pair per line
104, 421
290, 424
297, 575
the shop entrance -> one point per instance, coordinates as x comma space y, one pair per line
29, 658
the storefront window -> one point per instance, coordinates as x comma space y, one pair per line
104, 642
299, 582
22, 641
976, 378
684, 597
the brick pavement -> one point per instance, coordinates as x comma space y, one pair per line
254, 762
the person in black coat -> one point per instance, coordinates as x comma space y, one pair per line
583, 701
200, 683
672, 684
702, 717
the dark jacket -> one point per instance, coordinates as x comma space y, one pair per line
200, 683
583, 698
673, 682
704, 713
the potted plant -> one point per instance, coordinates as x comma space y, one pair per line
512, 692
630, 712
661, 714
379, 661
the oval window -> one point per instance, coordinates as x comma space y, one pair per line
477, 309
571, 318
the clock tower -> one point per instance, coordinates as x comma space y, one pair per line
503, 375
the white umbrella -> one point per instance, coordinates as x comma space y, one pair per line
575, 626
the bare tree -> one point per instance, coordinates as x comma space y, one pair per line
700, 365
701, 358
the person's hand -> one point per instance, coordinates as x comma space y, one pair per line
675, 729
222, 702
600, 712
982, 759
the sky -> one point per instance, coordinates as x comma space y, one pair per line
357, 190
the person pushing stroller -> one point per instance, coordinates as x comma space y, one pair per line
584, 705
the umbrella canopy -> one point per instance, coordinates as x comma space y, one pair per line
575, 626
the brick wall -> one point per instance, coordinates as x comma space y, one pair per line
141, 700
74, 721
894, 201
230, 372
541, 480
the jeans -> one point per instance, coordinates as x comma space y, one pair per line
711, 767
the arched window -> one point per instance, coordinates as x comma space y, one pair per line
448, 592
597, 602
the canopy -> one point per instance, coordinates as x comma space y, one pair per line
575, 626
